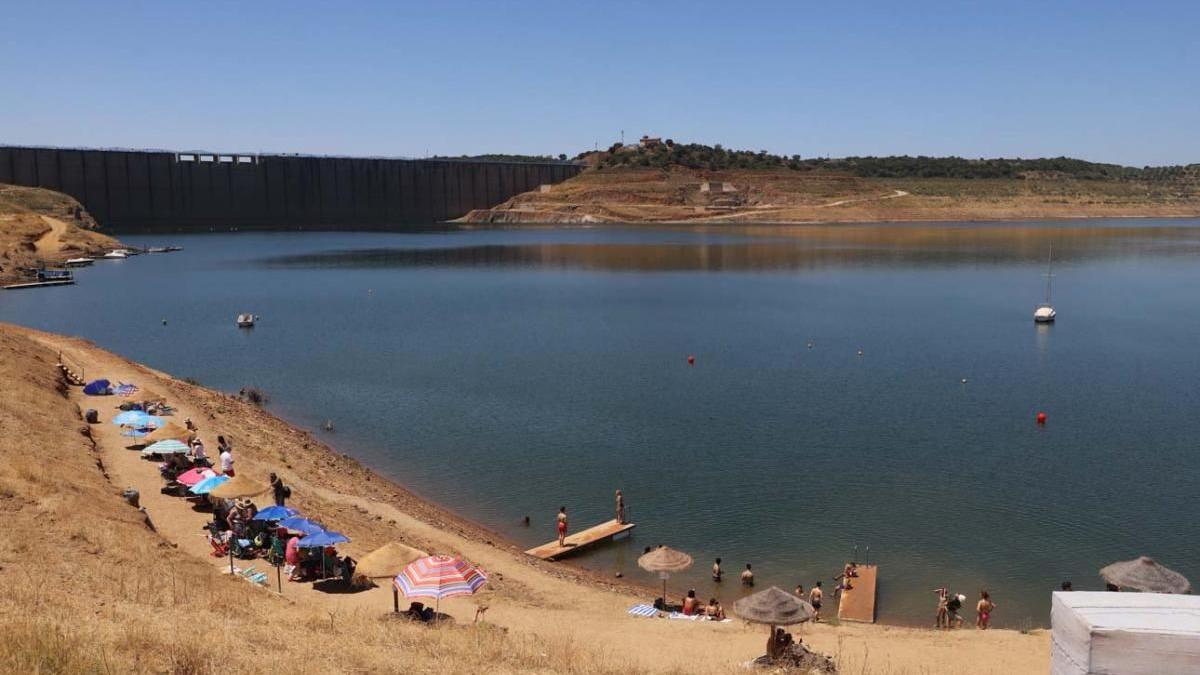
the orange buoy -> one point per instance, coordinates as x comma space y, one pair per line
1041, 417
691, 360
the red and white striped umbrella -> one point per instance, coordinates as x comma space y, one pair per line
439, 576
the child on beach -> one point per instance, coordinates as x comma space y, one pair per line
983, 610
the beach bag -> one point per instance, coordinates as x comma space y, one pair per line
91, 416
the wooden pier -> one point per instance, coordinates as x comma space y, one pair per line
858, 603
580, 540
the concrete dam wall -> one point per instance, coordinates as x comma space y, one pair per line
132, 190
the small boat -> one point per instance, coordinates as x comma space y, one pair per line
1044, 313
245, 320
172, 249
157, 249
119, 254
79, 262
55, 275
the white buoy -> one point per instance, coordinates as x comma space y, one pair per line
860, 352
810, 344
964, 380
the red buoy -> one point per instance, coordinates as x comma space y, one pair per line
691, 360
1041, 418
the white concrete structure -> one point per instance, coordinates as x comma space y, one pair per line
1104, 633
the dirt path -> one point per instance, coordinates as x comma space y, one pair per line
843, 202
525, 596
51, 243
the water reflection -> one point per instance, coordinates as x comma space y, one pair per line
777, 248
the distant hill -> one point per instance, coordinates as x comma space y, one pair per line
717, 158
691, 183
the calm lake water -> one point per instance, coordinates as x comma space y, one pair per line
505, 373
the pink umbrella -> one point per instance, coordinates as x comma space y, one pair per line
193, 476
439, 576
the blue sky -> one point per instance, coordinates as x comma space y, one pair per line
1107, 81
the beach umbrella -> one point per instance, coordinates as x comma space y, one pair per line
774, 607
167, 447
437, 577
301, 525
97, 388
170, 430
135, 433
275, 513
322, 539
665, 560
1144, 574
240, 486
207, 485
134, 418
388, 560
194, 476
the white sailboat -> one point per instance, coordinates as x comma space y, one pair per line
1044, 313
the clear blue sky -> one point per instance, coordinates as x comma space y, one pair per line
1107, 81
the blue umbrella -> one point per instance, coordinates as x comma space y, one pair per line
134, 433
275, 513
97, 388
322, 539
301, 525
131, 418
206, 486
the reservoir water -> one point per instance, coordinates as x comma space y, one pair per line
505, 373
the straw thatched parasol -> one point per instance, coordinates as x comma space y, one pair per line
239, 486
1144, 574
388, 560
169, 431
665, 560
774, 607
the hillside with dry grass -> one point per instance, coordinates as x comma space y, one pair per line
659, 185
43, 227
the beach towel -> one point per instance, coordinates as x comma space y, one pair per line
643, 610
694, 617
125, 390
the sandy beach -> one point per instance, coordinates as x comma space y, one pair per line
553, 603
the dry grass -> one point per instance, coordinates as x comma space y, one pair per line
21, 225
89, 588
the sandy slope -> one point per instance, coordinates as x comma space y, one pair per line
42, 226
549, 601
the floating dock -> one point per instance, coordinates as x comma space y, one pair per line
858, 603
580, 540
39, 284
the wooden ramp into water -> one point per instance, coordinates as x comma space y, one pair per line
580, 540
858, 603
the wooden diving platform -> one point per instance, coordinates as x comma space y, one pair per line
858, 603
40, 284
580, 540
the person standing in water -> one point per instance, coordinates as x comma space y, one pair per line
748, 576
620, 508
814, 599
562, 526
716, 570
983, 610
